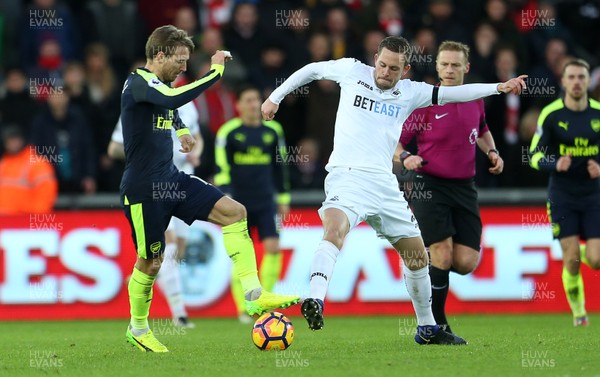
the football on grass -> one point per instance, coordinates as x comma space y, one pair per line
273, 331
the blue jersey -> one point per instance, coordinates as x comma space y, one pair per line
148, 113
563, 132
252, 163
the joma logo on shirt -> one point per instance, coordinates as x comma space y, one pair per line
360, 82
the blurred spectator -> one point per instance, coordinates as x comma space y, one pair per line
440, 18
271, 72
48, 20
104, 112
498, 17
215, 105
294, 28
17, 106
323, 98
272, 69
117, 25
310, 173
47, 72
61, 133
582, 19
244, 36
75, 85
210, 41
215, 13
550, 71
186, 19
423, 57
482, 54
159, 12
10, 11
371, 42
503, 114
344, 42
27, 181
385, 15
390, 17
544, 26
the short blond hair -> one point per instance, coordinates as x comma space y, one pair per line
455, 46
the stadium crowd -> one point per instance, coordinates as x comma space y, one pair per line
63, 63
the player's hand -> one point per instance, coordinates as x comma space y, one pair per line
220, 57
283, 210
514, 86
413, 162
193, 159
593, 168
268, 109
187, 143
497, 163
563, 164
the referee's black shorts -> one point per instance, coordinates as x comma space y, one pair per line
186, 197
572, 215
446, 208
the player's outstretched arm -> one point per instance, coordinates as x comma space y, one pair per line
328, 70
471, 92
163, 95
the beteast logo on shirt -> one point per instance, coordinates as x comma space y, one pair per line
437, 116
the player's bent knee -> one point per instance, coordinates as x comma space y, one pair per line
594, 261
227, 211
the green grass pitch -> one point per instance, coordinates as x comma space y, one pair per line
507, 345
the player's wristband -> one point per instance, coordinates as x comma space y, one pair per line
182, 131
284, 198
493, 150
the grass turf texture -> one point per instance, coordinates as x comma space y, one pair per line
528, 345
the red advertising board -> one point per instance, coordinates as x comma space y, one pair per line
69, 265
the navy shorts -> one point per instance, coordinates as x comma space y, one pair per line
186, 197
265, 220
572, 215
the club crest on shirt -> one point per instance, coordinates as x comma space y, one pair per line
595, 123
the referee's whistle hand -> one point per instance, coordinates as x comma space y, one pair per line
187, 143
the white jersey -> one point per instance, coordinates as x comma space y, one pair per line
369, 120
189, 117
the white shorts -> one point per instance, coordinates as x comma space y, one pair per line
179, 226
371, 197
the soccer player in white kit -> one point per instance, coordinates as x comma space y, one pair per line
169, 277
360, 186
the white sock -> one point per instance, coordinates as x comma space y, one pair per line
321, 269
418, 285
169, 281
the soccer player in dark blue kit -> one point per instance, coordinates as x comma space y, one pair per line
250, 153
153, 190
567, 144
